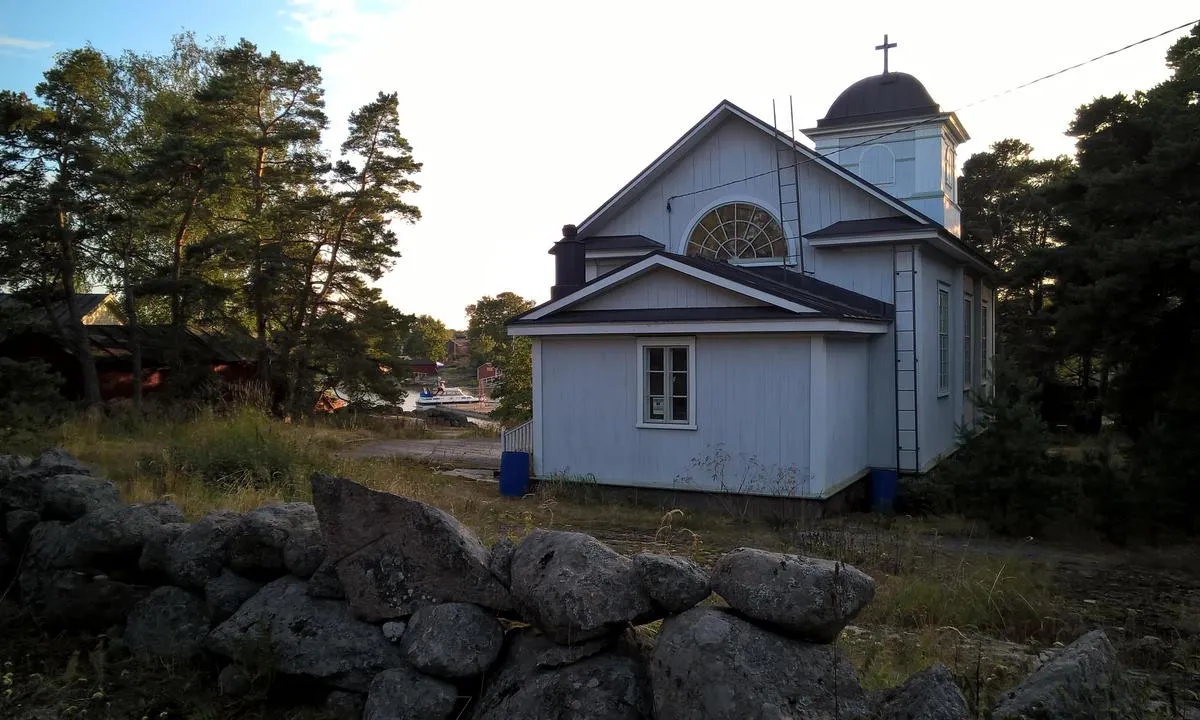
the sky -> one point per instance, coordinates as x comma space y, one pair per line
528, 115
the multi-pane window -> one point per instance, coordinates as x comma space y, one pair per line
968, 318
737, 231
666, 383
943, 320
950, 173
984, 336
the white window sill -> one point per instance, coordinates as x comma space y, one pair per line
666, 426
943, 394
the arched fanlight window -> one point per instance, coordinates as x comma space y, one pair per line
738, 231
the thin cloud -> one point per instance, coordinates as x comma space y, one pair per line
22, 43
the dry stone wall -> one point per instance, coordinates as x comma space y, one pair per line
401, 613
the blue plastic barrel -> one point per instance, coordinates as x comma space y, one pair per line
883, 489
514, 473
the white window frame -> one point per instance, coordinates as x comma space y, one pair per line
943, 336
968, 350
763, 230
950, 171
985, 336
665, 342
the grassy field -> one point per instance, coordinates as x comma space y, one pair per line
946, 592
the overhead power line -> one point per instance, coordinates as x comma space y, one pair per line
980, 101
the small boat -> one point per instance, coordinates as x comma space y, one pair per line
449, 396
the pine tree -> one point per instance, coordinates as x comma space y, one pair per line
1009, 215
1127, 279
349, 238
270, 114
193, 185
54, 204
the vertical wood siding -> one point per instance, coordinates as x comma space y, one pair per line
666, 289
881, 403
865, 270
868, 270
752, 398
732, 152
847, 409
593, 269
939, 415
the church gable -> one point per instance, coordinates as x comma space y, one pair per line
664, 288
718, 165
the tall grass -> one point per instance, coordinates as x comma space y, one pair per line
924, 580
236, 460
382, 426
936, 600
243, 459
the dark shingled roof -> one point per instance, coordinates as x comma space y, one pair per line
621, 242
617, 242
866, 227
111, 342
664, 315
36, 314
819, 295
893, 96
827, 299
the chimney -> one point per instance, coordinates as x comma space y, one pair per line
568, 263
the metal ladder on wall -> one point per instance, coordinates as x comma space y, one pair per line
787, 176
904, 284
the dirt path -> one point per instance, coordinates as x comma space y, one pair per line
475, 453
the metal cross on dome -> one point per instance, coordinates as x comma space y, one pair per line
885, 47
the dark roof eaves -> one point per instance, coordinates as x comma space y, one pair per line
857, 304
619, 268
824, 306
927, 112
867, 226
713, 314
758, 282
749, 277
621, 242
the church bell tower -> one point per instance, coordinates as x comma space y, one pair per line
888, 130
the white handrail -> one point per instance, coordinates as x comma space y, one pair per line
518, 439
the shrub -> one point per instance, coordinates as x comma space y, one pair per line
31, 405
1004, 474
245, 448
1010, 476
1163, 485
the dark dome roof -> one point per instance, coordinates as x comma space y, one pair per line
893, 96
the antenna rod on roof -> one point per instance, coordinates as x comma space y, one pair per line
778, 172
796, 178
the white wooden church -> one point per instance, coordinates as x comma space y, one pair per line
750, 315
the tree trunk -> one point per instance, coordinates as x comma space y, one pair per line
1103, 389
260, 330
257, 282
75, 330
135, 339
177, 300
301, 400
